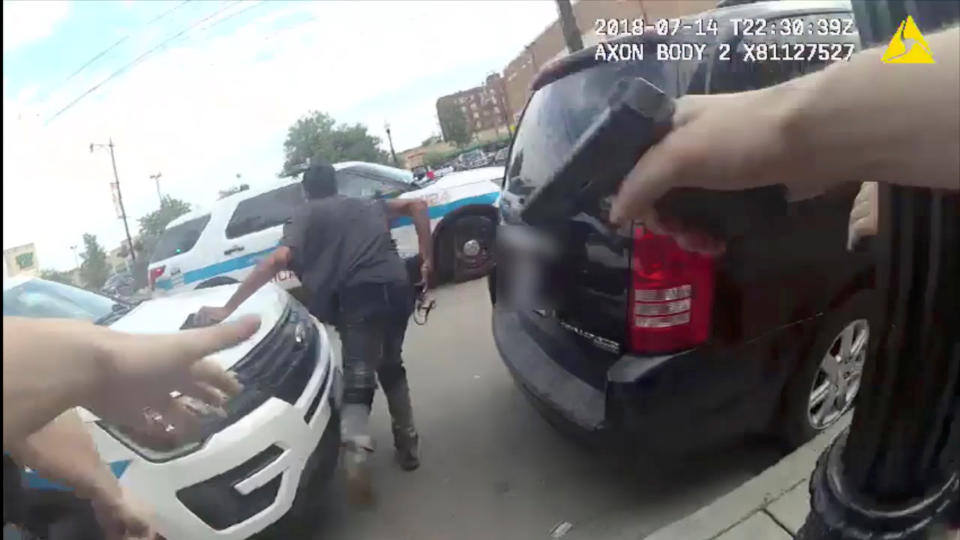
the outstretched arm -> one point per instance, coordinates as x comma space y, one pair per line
265, 270
52, 365
63, 451
895, 123
416, 209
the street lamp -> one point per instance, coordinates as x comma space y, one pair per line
76, 260
116, 178
156, 179
386, 126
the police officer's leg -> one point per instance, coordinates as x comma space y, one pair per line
362, 350
393, 379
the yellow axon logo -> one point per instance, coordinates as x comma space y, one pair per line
908, 46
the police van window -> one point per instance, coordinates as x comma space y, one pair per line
264, 211
179, 238
354, 183
382, 172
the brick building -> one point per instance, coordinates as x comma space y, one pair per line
549, 45
483, 107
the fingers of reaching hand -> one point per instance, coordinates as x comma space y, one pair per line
209, 394
190, 346
210, 379
656, 172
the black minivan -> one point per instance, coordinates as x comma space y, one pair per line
670, 350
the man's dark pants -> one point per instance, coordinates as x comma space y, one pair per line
372, 322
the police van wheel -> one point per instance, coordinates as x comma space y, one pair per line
469, 247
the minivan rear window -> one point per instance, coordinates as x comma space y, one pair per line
561, 111
265, 210
179, 239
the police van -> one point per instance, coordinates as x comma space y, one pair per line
222, 244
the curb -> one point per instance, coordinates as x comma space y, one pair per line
738, 505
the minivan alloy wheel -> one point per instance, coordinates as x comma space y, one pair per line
838, 378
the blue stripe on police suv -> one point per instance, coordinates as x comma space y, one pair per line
35, 481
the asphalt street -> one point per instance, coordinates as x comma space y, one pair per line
494, 469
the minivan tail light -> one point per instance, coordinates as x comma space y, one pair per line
155, 273
671, 295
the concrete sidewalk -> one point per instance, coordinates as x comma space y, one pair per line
771, 506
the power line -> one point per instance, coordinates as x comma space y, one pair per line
139, 59
119, 41
232, 15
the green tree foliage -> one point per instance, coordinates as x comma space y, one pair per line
153, 223
151, 227
94, 269
433, 139
317, 136
58, 276
453, 124
233, 189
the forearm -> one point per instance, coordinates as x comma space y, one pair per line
63, 451
895, 123
261, 274
40, 381
421, 223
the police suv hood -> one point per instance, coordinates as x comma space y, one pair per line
462, 178
166, 315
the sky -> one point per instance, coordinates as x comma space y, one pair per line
201, 91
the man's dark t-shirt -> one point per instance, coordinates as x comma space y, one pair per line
339, 244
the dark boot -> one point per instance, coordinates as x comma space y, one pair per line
405, 438
407, 443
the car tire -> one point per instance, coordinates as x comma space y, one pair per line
466, 248
216, 282
803, 415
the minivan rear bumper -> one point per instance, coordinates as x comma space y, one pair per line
675, 402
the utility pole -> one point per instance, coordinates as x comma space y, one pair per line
893, 472
156, 178
568, 23
390, 139
116, 179
76, 260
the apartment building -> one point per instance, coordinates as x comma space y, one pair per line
483, 107
549, 45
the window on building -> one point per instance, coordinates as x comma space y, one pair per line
496, 110
473, 106
476, 115
25, 260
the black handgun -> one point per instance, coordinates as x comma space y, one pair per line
638, 116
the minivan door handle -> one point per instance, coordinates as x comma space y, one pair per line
233, 249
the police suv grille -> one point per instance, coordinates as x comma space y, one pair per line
282, 364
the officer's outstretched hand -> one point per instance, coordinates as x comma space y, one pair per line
718, 142
139, 373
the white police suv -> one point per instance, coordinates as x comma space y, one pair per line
278, 442
205, 248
